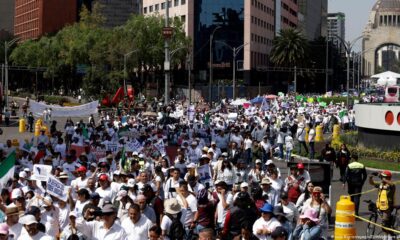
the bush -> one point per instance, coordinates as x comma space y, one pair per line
56, 100
337, 99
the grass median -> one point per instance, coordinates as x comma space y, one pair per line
379, 164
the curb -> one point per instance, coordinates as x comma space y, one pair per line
367, 168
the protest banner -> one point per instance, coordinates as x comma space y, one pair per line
57, 188
41, 172
134, 146
113, 147
204, 173
160, 147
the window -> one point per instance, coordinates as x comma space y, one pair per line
145, 10
183, 2
176, 3
163, 5
156, 7
183, 18
151, 9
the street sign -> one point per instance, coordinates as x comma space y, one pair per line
167, 32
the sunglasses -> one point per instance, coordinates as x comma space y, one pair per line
316, 193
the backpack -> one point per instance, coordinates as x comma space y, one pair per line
383, 202
176, 230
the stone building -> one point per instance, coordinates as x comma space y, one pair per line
381, 38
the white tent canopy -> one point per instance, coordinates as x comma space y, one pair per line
387, 78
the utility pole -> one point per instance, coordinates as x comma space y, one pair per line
295, 80
211, 65
189, 78
6, 46
326, 65
167, 60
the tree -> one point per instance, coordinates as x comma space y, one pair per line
290, 48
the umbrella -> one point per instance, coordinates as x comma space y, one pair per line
257, 100
271, 96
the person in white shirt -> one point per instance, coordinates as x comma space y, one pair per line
172, 210
61, 147
107, 229
289, 145
81, 181
311, 141
225, 202
301, 137
14, 227
50, 217
105, 190
247, 145
266, 224
31, 229
171, 184
137, 226
188, 204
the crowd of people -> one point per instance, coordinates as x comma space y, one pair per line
204, 174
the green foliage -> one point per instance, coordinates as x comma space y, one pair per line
290, 48
101, 50
50, 99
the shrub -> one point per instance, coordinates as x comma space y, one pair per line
56, 100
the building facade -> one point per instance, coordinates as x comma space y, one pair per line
313, 18
336, 27
117, 12
381, 38
248, 23
7, 8
34, 18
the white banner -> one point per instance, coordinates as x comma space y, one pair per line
204, 173
160, 147
37, 109
41, 172
57, 188
134, 146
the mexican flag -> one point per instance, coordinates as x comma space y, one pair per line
7, 168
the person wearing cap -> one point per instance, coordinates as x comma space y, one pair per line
386, 195
308, 227
18, 199
301, 138
244, 188
43, 138
122, 202
194, 153
266, 224
105, 190
14, 227
83, 198
4, 231
289, 146
193, 185
22, 176
258, 133
136, 225
269, 194
81, 180
32, 230
50, 217
107, 228
173, 210
215, 150
95, 199
355, 177
303, 176
145, 209
319, 203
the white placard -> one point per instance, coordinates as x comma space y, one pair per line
134, 146
204, 173
160, 147
41, 172
113, 147
57, 188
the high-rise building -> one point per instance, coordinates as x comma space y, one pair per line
336, 27
34, 18
6, 18
117, 12
251, 23
313, 18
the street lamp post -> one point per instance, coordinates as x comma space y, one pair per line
167, 56
189, 62
326, 65
235, 51
125, 71
7, 45
348, 47
211, 64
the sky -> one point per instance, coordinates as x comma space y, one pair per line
357, 14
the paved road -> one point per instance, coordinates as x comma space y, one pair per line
11, 132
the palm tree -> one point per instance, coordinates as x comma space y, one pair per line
290, 48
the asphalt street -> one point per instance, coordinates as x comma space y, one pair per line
11, 132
